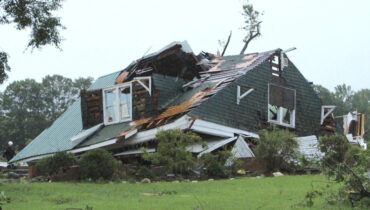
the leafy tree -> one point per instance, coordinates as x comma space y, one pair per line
33, 15
22, 105
171, 151
344, 92
82, 83
28, 107
277, 149
252, 24
57, 95
347, 165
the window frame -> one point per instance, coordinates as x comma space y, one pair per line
117, 94
279, 112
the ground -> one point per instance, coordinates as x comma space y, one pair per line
284, 192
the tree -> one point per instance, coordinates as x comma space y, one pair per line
348, 165
252, 24
34, 15
57, 95
82, 83
60, 92
28, 107
22, 106
337, 98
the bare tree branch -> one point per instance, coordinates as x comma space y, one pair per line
227, 44
252, 35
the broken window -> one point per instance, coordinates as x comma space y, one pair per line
117, 104
281, 107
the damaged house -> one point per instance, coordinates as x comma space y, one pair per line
226, 100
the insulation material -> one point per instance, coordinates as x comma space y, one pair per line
308, 146
134, 152
353, 123
217, 145
241, 149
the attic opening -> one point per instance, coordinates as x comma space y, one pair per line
281, 105
275, 64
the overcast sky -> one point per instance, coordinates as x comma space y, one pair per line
332, 36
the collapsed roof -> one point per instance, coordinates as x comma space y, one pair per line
182, 82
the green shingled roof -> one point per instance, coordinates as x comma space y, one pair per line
107, 133
57, 137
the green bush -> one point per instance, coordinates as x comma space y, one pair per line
277, 149
215, 163
172, 153
144, 172
53, 164
43, 166
352, 155
97, 164
335, 147
348, 165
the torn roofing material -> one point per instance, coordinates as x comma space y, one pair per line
223, 71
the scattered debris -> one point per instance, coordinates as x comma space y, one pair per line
278, 173
260, 176
13, 175
145, 180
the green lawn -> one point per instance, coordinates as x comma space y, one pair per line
245, 193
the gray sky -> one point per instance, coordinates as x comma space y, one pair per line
332, 36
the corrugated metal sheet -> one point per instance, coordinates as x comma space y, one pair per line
308, 146
241, 149
106, 133
105, 81
57, 137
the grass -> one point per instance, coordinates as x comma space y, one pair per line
245, 193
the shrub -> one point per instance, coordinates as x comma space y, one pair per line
348, 165
352, 155
144, 172
277, 149
53, 164
215, 163
171, 151
334, 147
97, 164
43, 166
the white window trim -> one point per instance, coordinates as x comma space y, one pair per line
280, 110
117, 87
280, 119
323, 115
139, 80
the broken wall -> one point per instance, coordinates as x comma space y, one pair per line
251, 114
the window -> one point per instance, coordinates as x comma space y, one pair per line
281, 107
117, 104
